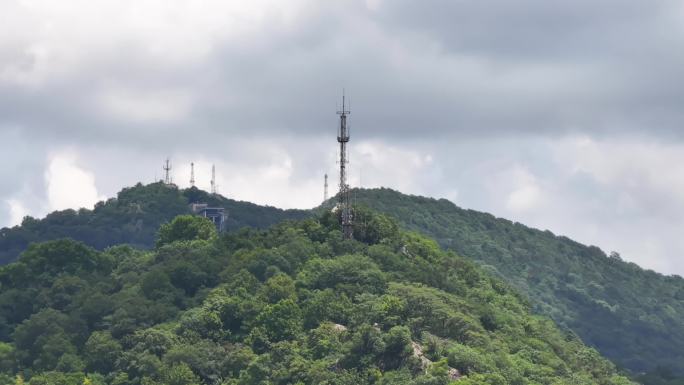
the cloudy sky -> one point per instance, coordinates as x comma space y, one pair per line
565, 115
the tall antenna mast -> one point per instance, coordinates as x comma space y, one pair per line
325, 188
345, 203
213, 179
167, 168
192, 174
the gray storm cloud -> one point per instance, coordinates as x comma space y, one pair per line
562, 115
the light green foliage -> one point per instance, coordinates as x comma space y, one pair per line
468, 360
7, 357
278, 287
186, 228
351, 274
180, 374
290, 305
281, 320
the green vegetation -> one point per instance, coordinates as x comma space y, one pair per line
132, 218
290, 305
633, 316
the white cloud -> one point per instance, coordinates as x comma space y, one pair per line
145, 105
68, 185
644, 173
17, 211
526, 194
484, 117
379, 164
60, 38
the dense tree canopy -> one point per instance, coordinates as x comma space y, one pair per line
290, 305
631, 315
133, 217
186, 228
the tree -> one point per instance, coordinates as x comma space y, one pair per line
351, 274
372, 227
186, 228
102, 352
180, 374
282, 320
467, 360
42, 339
7, 360
278, 287
63, 255
398, 347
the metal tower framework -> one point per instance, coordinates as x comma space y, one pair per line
192, 174
346, 215
325, 188
167, 167
213, 179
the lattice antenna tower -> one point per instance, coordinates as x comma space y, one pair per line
213, 179
346, 215
325, 188
192, 174
167, 167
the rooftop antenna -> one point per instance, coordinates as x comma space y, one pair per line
325, 188
345, 202
167, 168
213, 179
192, 174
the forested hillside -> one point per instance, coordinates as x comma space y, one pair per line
290, 305
633, 316
133, 217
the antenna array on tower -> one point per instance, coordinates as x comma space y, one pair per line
345, 203
167, 167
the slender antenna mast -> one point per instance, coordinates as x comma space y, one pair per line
325, 188
192, 174
213, 179
345, 203
167, 168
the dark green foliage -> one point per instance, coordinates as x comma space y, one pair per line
660, 376
132, 218
291, 305
101, 352
43, 339
633, 316
351, 274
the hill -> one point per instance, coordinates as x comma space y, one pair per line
133, 217
633, 316
290, 305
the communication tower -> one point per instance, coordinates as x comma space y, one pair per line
346, 215
213, 179
167, 167
192, 174
325, 188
